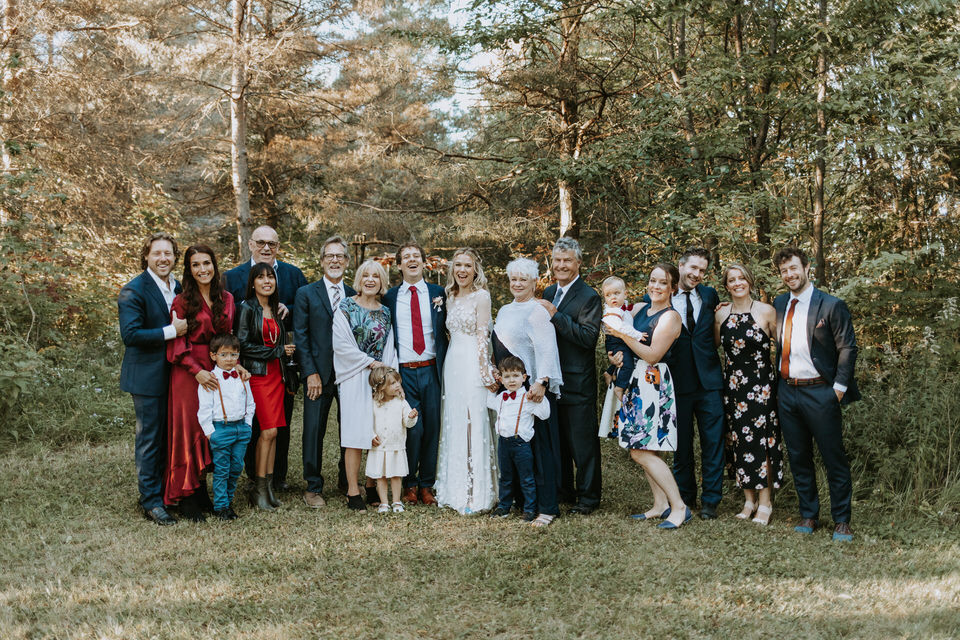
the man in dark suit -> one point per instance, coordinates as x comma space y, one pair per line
313, 313
698, 382
817, 354
575, 311
418, 312
145, 326
264, 246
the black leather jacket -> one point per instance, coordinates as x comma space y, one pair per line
254, 355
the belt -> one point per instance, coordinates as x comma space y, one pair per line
418, 365
804, 382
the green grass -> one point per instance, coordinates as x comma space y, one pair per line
78, 561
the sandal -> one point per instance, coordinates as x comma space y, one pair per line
748, 508
542, 520
763, 510
397, 507
383, 508
356, 503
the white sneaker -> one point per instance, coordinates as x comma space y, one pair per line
397, 507
383, 508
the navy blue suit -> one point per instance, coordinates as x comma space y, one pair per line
812, 413
145, 374
698, 382
422, 387
289, 280
313, 334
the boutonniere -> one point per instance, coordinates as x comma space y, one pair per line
437, 303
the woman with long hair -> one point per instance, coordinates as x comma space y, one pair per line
263, 345
208, 310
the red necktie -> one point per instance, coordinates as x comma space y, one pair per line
418, 343
230, 374
787, 335
509, 395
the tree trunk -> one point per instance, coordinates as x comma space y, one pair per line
569, 115
8, 52
820, 168
238, 126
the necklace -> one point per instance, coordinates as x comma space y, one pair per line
273, 335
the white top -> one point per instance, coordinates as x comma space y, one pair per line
562, 291
801, 362
331, 287
515, 415
237, 400
405, 324
679, 302
524, 328
166, 288
390, 422
273, 264
617, 318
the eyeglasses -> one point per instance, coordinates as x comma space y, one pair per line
335, 256
266, 243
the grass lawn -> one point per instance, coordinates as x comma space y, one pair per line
78, 561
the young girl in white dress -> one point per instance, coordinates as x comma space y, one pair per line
392, 416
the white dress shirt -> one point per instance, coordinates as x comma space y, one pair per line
679, 302
515, 415
405, 324
562, 291
237, 400
166, 288
801, 362
274, 265
330, 287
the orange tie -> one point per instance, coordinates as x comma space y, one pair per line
787, 334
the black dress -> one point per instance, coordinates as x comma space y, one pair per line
753, 432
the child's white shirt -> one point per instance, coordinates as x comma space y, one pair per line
620, 319
391, 421
237, 400
515, 415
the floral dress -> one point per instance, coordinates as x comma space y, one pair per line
753, 432
648, 414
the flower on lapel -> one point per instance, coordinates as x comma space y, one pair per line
437, 303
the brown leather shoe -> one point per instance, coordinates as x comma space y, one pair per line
313, 500
410, 495
426, 496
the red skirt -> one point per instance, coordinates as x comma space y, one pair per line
268, 393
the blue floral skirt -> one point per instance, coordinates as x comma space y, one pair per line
648, 415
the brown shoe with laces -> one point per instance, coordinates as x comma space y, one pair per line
426, 496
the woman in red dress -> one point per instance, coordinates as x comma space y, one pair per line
262, 344
208, 310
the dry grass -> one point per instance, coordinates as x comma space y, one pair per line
79, 562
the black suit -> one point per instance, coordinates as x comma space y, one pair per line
313, 334
577, 322
812, 413
289, 281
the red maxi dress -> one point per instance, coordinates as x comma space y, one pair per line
188, 451
268, 390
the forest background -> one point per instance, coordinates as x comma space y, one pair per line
639, 127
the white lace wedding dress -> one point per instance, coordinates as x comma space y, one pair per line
466, 467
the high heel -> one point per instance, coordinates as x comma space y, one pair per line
763, 510
748, 509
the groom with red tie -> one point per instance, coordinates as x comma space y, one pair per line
817, 354
418, 314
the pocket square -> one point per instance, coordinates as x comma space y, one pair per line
821, 323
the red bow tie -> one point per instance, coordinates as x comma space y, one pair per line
627, 307
230, 374
509, 395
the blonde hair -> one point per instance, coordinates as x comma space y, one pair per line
379, 378
479, 280
747, 274
377, 269
609, 280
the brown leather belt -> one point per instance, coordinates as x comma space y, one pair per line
418, 365
804, 382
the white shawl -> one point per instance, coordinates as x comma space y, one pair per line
525, 330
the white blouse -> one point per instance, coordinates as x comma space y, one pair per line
525, 330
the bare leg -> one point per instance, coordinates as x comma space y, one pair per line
396, 487
658, 472
351, 461
266, 448
660, 500
749, 504
382, 490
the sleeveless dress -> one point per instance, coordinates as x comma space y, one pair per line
466, 467
268, 390
648, 414
753, 432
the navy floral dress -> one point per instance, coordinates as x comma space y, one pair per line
753, 432
370, 328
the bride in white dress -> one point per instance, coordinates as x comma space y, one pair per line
466, 467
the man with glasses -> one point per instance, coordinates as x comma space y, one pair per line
264, 246
313, 314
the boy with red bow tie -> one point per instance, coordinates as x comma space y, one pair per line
515, 414
226, 416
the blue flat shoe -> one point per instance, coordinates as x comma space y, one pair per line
643, 516
670, 525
